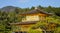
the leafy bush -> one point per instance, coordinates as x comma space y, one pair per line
34, 31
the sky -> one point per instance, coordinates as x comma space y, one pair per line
29, 3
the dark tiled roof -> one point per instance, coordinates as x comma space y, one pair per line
36, 11
24, 23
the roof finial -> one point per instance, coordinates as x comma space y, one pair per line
36, 8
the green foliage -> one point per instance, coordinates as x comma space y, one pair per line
57, 30
34, 31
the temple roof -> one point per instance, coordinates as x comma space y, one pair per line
35, 12
24, 23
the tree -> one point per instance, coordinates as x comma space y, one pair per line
17, 10
32, 8
40, 7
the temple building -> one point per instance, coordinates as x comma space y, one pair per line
31, 18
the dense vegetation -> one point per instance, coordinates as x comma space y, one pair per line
13, 16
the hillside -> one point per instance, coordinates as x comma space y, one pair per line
8, 8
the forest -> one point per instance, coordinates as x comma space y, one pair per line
12, 16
